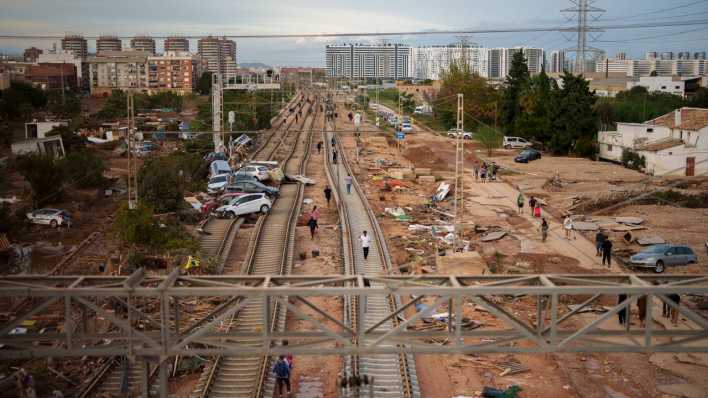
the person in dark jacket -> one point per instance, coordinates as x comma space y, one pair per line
328, 194
606, 251
281, 369
599, 240
622, 314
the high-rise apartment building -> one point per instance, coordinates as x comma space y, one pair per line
31, 54
431, 62
647, 67
76, 44
118, 70
556, 62
108, 43
176, 43
219, 54
358, 61
143, 43
174, 71
499, 60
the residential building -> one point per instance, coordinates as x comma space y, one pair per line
672, 144
108, 43
431, 62
174, 71
651, 66
556, 62
219, 54
359, 61
67, 57
52, 76
46, 146
16, 70
4, 77
39, 129
76, 44
143, 43
118, 70
676, 85
31, 54
499, 61
176, 43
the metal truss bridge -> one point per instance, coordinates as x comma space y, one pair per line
149, 316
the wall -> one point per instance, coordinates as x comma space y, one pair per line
673, 161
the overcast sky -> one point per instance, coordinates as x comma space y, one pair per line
128, 17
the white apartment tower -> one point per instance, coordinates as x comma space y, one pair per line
499, 61
219, 54
432, 62
358, 61
556, 62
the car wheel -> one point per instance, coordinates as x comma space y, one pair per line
659, 267
231, 214
507, 146
53, 223
264, 209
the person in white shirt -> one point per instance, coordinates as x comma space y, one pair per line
365, 243
568, 227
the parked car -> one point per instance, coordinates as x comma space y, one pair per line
515, 142
51, 217
246, 204
465, 134
217, 183
527, 155
659, 257
212, 156
251, 187
406, 127
258, 172
218, 167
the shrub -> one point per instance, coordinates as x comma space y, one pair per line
45, 174
137, 226
159, 187
633, 160
85, 169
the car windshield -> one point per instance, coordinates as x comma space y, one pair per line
656, 249
218, 179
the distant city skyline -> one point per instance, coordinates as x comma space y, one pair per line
217, 17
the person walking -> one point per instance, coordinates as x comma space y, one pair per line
493, 171
349, 180
312, 224
599, 239
333, 142
622, 314
520, 202
328, 194
476, 170
334, 156
673, 312
281, 369
567, 226
607, 252
319, 147
532, 204
483, 172
365, 243
544, 229
642, 307
537, 210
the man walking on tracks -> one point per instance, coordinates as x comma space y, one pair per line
365, 243
334, 156
282, 376
349, 180
607, 252
328, 194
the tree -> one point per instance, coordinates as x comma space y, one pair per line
204, 84
137, 226
116, 105
45, 174
575, 123
516, 83
67, 106
20, 99
479, 97
71, 141
158, 185
536, 104
489, 138
699, 99
85, 169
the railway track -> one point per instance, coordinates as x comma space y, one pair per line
116, 374
270, 252
394, 375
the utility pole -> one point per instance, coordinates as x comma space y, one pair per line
585, 10
459, 204
217, 106
132, 161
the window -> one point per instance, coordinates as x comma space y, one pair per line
677, 87
650, 130
609, 147
663, 87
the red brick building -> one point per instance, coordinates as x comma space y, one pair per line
50, 76
174, 71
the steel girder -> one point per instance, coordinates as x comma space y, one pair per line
157, 316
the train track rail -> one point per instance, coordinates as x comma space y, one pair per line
116, 375
393, 375
270, 252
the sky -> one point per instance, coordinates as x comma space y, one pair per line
218, 17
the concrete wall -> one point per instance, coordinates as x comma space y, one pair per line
672, 162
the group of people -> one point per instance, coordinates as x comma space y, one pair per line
534, 205
603, 247
667, 311
487, 171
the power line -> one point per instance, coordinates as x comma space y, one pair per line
657, 11
654, 36
655, 24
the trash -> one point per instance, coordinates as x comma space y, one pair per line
276, 174
426, 180
194, 202
585, 226
624, 228
300, 178
588, 308
419, 227
308, 201
395, 211
629, 220
492, 236
650, 240
11, 200
511, 392
442, 191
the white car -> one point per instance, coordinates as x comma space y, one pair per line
406, 127
258, 172
246, 204
515, 142
51, 217
217, 183
465, 134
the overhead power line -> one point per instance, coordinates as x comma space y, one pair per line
622, 26
654, 36
656, 11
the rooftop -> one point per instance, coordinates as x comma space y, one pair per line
691, 119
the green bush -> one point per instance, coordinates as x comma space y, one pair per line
137, 226
85, 169
45, 174
489, 138
633, 160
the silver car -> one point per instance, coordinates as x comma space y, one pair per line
51, 217
659, 257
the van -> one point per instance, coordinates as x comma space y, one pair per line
515, 142
218, 167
